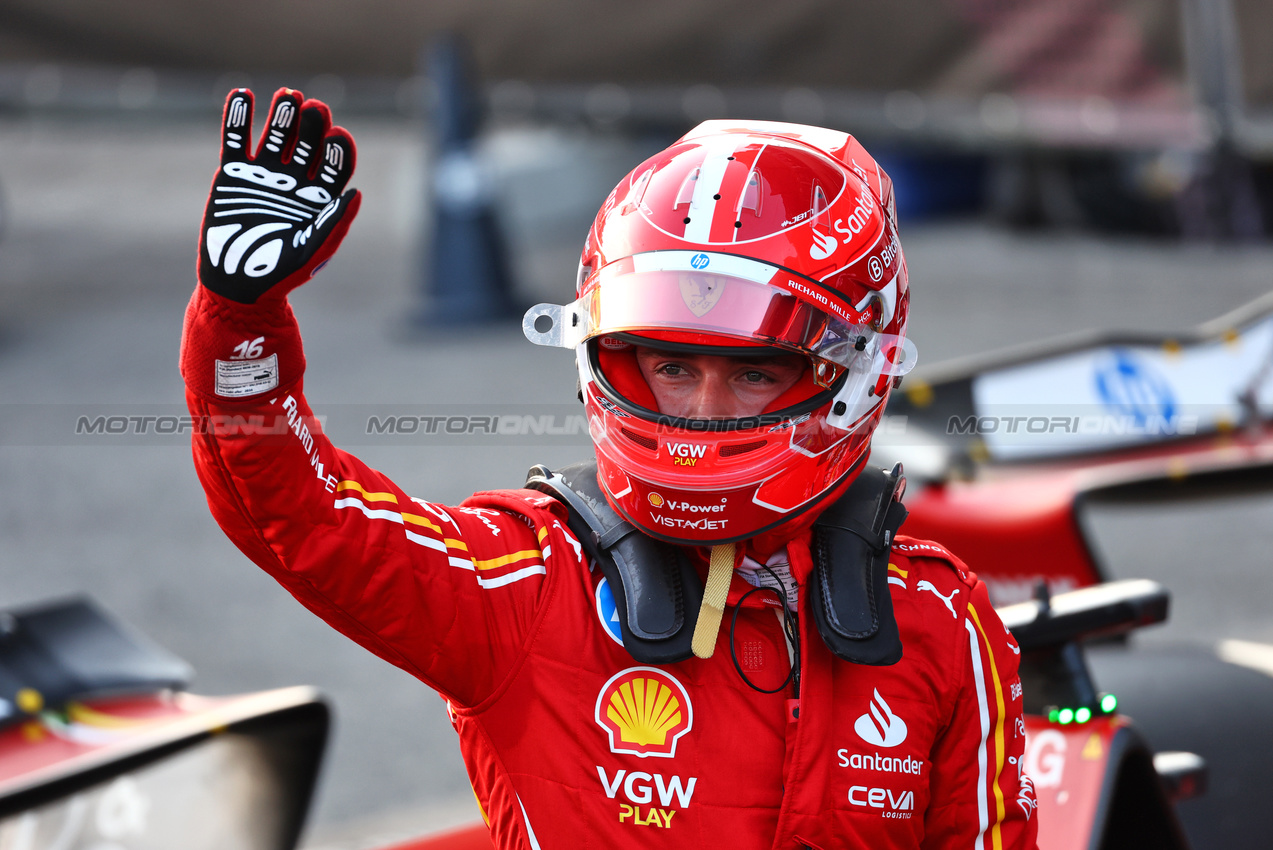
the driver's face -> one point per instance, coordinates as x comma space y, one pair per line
709, 386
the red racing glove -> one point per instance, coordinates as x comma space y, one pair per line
273, 219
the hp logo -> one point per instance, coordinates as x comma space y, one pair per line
700, 261
1128, 386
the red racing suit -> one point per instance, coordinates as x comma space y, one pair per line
568, 741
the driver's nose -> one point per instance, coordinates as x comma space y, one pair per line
712, 398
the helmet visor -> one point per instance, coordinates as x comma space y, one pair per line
626, 299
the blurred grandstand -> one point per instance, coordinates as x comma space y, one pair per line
1145, 116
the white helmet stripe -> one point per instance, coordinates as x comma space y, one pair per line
712, 172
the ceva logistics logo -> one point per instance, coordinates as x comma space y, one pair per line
645, 711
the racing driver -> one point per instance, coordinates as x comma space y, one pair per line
714, 636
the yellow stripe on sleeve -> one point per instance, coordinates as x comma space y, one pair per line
416, 519
901, 572
504, 560
996, 835
408, 519
370, 497
543, 533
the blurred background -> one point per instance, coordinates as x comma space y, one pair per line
1060, 165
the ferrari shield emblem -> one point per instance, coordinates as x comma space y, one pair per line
701, 292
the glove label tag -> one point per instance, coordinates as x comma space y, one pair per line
239, 378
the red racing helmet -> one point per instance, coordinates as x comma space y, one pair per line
742, 234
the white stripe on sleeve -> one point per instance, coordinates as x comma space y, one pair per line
509, 578
439, 546
371, 513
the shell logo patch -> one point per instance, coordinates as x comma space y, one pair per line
655, 499
644, 711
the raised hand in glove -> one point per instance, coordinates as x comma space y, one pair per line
274, 218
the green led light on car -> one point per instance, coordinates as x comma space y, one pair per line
1107, 704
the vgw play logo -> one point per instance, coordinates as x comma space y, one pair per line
645, 711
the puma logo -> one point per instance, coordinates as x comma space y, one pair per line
925, 584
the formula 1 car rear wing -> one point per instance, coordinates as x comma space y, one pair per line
1004, 452
99, 742
56, 652
1104, 610
1050, 630
1096, 391
1126, 800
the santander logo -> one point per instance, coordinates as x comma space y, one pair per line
823, 246
880, 726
